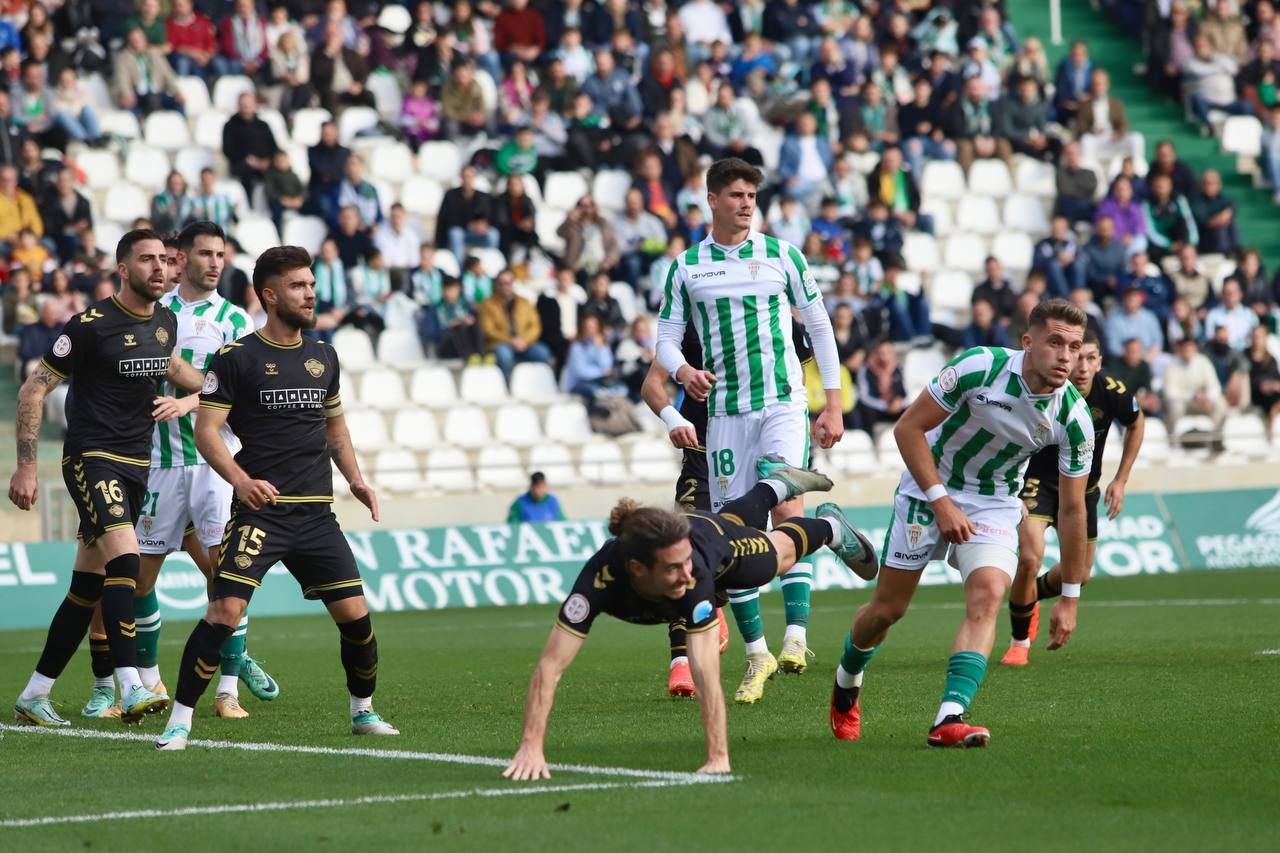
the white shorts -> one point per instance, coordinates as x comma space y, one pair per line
913, 538
735, 442
179, 499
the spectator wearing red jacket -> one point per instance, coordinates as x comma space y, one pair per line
519, 33
242, 41
193, 40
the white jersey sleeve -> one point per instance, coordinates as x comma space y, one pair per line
962, 375
1075, 437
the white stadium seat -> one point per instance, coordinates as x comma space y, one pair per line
392, 161
534, 382
1026, 213
990, 178
166, 130
1037, 178
601, 463
125, 203
397, 470
387, 95
609, 189
422, 196
626, 297
146, 167
400, 348
208, 130
195, 95
368, 428
498, 467
440, 160
444, 261
943, 179
306, 125
433, 386
227, 92
488, 90
415, 429
1242, 136
483, 385
234, 190
101, 168
354, 349
556, 462
279, 127
355, 121
568, 423
547, 222
447, 469
466, 426
921, 252
978, 214
381, 388
305, 231
121, 123
965, 252
564, 190
517, 425
654, 461
256, 234
952, 291
191, 161
492, 261
1014, 250
939, 210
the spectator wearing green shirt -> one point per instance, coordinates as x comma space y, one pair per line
518, 156
537, 504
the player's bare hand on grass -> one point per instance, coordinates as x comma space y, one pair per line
683, 437
828, 428
1062, 622
256, 493
715, 766
953, 524
1115, 498
24, 487
364, 493
168, 409
529, 764
697, 383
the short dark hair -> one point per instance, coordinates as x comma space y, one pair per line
124, 249
200, 228
1091, 337
171, 240
276, 261
1056, 309
730, 169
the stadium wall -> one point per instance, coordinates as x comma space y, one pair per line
503, 565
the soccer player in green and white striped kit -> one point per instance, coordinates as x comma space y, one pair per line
967, 442
187, 504
738, 288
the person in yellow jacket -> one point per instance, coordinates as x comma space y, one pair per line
17, 208
510, 326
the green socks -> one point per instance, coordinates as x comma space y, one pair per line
797, 589
745, 604
855, 660
146, 614
965, 672
233, 648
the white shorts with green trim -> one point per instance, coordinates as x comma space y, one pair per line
735, 442
913, 538
188, 496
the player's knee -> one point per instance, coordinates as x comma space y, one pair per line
225, 611
983, 598
887, 612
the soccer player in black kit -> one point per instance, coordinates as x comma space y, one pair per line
279, 393
115, 353
1109, 402
670, 566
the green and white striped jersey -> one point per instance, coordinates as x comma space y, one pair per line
204, 327
739, 300
997, 425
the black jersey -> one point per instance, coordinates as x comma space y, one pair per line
1109, 400
116, 360
695, 411
604, 586
279, 398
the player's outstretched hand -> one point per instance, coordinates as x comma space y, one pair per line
715, 766
257, 493
528, 765
953, 524
24, 487
1115, 499
364, 493
1062, 622
683, 437
828, 428
697, 383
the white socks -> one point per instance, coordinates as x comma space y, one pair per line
180, 715
948, 709
847, 681
109, 681
778, 489
757, 647
1021, 644
128, 678
679, 660
799, 632
229, 684
837, 532
358, 704
150, 676
38, 687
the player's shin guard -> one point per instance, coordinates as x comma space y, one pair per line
1020, 620
1046, 588
752, 509
359, 656
965, 672
679, 640
117, 610
200, 661
146, 613
70, 623
808, 534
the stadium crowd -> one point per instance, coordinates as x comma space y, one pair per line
846, 103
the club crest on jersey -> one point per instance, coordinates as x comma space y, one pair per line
62, 346
1043, 429
754, 267
948, 379
116, 511
914, 532
199, 325
146, 523
271, 369
314, 367
243, 561
162, 335
724, 484
129, 340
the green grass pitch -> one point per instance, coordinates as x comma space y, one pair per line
1156, 729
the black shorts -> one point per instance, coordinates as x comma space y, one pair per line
692, 489
754, 564
1041, 499
304, 536
108, 491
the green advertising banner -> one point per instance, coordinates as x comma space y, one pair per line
501, 565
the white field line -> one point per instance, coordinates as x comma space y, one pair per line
395, 754
1269, 652
382, 799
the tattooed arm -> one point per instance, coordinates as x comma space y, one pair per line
343, 455
23, 485
183, 375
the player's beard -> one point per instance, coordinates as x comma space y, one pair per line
143, 288
296, 319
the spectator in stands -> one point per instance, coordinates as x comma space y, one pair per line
979, 66
1104, 260
419, 115
87, 264
209, 202
1252, 277
515, 98
727, 130
704, 23
518, 156
658, 270
1134, 370
74, 108
511, 327
192, 40
984, 330
248, 144
143, 80
147, 18
614, 95
242, 41
1264, 379
882, 391
875, 118
328, 162
33, 103
1169, 220
678, 155
558, 313
922, 124
1082, 298
590, 243
852, 337
659, 198
1183, 322
1076, 184
549, 132
35, 172
537, 504
425, 280
1131, 320
28, 252
997, 290
17, 209
884, 231
332, 293
1257, 80
283, 188
1209, 81
1171, 48
465, 217
1128, 217
1071, 83
338, 72
462, 103
1058, 257
65, 214
634, 355
19, 301
1157, 290
907, 313
453, 324
355, 191
641, 237
519, 33
894, 186
370, 288
1192, 387
589, 368
515, 218
399, 244
1022, 124
805, 161
971, 123
663, 79
354, 241
1215, 217
1223, 30
1232, 314
603, 306
1190, 282
37, 338
1101, 124
290, 69
234, 283
1168, 164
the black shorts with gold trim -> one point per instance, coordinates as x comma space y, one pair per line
692, 489
304, 536
751, 560
1041, 499
108, 490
